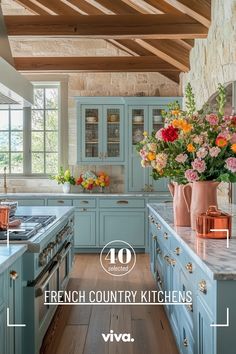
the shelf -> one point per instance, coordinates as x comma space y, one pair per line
93, 123
136, 123
91, 142
113, 122
113, 142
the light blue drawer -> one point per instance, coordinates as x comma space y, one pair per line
31, 202
85, 203
59, 202
122, 203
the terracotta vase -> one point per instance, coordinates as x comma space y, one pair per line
181, 201
204, 194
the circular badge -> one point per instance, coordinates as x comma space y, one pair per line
117, 261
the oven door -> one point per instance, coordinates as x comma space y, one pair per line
65, 263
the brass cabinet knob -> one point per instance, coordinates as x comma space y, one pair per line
185, 342
190, 307
165, 235
189, 267
169, 260
13, 275
158, 226
177, 251
158, 250
154, 237
202, 285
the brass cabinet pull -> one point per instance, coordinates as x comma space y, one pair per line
60, 201
84, 201
169, 260
202, 285
122, 202
13, 275
165, 235
158, 226
177, 251
185, 342
189, 267
158, 250
154, 237
84, 209
151, 219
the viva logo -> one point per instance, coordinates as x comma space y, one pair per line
115, 337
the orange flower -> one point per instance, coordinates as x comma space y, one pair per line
151, 156
175, 112
221, 141
233, 148
186, 127
177, 123
191, 148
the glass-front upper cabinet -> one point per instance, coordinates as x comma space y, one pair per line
155, 118
91, 132
102, 133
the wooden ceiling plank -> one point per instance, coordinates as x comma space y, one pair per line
200, 10
87, 7
117, 6
162, 6
168, 52
29, 5
58, 7
109, 64
107, 26
136, 6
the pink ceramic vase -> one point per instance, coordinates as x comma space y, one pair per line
181, 199
204, 194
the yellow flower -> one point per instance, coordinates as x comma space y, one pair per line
177, 123
233, 148
151, 156
145, 133
186, 127
191, 148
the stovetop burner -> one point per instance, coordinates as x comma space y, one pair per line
30, 225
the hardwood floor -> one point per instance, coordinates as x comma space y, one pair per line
77, 329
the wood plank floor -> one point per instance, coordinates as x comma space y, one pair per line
77, 329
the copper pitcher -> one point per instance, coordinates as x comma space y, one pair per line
213, 219
4, 217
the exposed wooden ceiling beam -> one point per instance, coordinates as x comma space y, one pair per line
107, 26
109, 64
163, 6
86, 7
200, 10
58, 6
170, 52
117, 6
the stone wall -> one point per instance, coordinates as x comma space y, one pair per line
213, 60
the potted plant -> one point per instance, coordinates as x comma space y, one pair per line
65, 178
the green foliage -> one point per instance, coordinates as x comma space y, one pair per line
221, 99
190, 100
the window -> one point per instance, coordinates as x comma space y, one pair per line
44, 130
29, 138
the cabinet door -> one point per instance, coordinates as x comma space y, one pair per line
85, 229
205, 333
3, 326
91, 133
138, 123
123, 225
155, 123
14, 334
113, 135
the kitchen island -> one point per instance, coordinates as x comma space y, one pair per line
207, 268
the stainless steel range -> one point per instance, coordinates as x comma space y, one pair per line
30, 225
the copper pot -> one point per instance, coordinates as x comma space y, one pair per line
4, 217
213, 219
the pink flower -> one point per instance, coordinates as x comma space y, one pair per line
199, 165
212, 119
160, 163
191, 175
152, 147
159, 134
231, 164
214, 151
201, 153
181, 158
227, 118
233, 138
143, 154
224, 134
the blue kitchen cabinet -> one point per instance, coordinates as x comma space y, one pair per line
101, 133
205, 333
3, 328
85, 228
125, 225
143, 118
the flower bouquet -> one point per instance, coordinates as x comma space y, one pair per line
65, 178
103, 180
87, 181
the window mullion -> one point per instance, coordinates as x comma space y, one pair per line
27, 140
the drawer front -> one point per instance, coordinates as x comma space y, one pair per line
31, 202
188, 265
122, 203
122, 225
85, 203
59, 202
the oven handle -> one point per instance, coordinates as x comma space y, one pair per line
40, 288
64, 252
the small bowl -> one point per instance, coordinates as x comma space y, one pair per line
91, 119
138, 119
113, 118
157, 119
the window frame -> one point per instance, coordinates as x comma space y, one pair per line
61, 81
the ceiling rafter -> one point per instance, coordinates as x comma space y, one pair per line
35, 8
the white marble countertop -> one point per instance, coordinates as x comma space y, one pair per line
8, 255
85, 195
211, 254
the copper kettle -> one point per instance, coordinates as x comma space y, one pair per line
4, 217
213, 219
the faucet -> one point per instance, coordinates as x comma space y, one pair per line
5, 180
